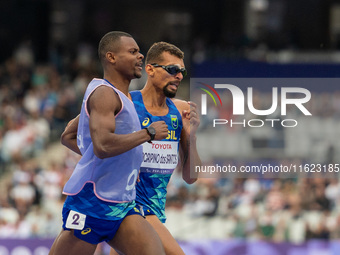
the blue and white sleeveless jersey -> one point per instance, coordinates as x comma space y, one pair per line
113, 178
160, 158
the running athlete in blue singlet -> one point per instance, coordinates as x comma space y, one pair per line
101, 190
160, 158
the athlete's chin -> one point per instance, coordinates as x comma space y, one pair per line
170, 91
170, 94
138, 75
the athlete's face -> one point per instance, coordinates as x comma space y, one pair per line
129, 60
168, 82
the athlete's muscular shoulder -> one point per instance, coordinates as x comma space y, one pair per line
104, 98
181, 104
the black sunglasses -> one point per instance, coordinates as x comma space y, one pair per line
172, 69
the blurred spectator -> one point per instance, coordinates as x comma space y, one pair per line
267, 226
275, 200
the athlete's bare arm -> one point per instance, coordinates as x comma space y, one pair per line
69, 136
188, 146
103, 105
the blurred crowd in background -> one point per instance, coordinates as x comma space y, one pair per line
36, 102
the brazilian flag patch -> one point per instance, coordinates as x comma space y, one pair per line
174, 121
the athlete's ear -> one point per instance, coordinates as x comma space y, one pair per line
150, 70
110, 57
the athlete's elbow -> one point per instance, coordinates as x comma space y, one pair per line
188, 176
100, 155
65, 139
190, 180
62, 140
100, 152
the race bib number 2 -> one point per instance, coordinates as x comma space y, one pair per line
75, 220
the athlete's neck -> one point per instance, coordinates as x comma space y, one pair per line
153, 97
154, 100
119, 82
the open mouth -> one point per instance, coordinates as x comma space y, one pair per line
140, 66
173, 85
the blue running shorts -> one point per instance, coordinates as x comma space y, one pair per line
90, 229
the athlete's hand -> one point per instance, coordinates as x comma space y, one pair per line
161, 129
192, 116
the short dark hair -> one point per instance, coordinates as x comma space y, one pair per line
110, 42
154, 54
